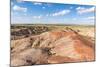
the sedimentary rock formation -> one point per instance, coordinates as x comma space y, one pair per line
58, 46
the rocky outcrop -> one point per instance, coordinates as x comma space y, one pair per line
57, 46
21, 32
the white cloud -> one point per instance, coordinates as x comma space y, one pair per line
71, 7
43, 7
47, 15
90, 18
37, 17
25, 14
81, 10
37, 3
61, 13
74, 18
18, 8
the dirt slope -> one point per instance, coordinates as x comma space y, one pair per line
57, 46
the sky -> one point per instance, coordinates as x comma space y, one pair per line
29, 12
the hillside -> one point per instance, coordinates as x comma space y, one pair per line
53, 46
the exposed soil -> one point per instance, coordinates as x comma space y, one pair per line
56, 46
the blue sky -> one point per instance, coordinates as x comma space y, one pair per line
51, 13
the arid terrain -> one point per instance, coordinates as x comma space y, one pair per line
51, 44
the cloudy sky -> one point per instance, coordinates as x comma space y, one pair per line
51, 13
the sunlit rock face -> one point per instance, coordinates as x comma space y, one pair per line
57, 46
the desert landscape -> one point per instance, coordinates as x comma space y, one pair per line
51, 33
35, 44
